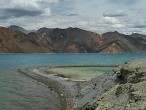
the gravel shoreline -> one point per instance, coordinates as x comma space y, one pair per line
124, 87
52, 84
74, 95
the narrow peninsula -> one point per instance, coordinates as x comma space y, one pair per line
121, 89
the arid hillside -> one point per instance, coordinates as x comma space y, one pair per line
48, 40
17, 42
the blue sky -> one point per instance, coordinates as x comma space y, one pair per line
126, 16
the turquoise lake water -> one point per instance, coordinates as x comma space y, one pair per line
19, 92
15, 61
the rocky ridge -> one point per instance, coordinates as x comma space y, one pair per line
71, 40
78, 40
18, 28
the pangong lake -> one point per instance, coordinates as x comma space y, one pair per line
20, 92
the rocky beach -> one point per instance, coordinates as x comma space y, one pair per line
121, 89
129, 93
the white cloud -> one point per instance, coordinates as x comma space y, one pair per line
19, 3
23, 9
82, 23
141, 23
127, 2
136, 23
118, 26
117, 13
96, 15
109, 20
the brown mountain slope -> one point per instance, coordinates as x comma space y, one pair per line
78, 40
69, 40
15, 41
129, 43
113, 48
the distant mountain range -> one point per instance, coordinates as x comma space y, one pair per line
48, 40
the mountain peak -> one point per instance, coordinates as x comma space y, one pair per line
18, 28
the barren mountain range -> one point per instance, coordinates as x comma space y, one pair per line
54, 40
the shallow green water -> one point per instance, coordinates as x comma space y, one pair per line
81, 73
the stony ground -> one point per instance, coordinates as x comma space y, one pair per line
130, 91
79, 95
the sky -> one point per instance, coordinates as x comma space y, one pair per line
125, 16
